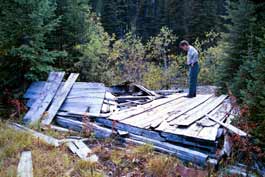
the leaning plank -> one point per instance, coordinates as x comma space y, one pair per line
229, 127
41, 104
47, 139
81, 150
35, 89
25, 168
59, 99
186, 121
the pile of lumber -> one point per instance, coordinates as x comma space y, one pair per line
187, 128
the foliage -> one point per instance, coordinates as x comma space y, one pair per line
188, 19
242, 62
209, 54
127, 59
24, 26
237, 42
153, 78
92, 63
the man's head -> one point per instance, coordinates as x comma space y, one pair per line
184, 45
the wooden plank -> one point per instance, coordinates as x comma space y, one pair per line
229, 127
41, 104
25, 168
82, 101
184, 108
47, 139
183, 153
186, 121
192, 112
81, 150
122, 115
59, 99
100, 132
196, 130
35, 89
142, 119
129, 128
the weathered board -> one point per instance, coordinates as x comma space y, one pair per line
100, 132
186, 121
128, 113
142, 119
47, 139
25, 168
181, 152
79, 148
59, 99
47, 93
83, 97
175, 110
229, 126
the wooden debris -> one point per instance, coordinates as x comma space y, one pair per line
59, 99
47, 139
99, 131
41, 104
83, 97
25, 168
229, 127
81, 150
186, 121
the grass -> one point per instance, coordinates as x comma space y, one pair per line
48, 161
114, 159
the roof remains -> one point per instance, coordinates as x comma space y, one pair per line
188, 128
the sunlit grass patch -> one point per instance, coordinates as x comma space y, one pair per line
48, 161
161, 165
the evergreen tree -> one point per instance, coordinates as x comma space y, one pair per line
238, 43
70, 32
24, 27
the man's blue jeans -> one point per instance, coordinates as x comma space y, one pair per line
193, 77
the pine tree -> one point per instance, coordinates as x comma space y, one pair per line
24, 27
238, 43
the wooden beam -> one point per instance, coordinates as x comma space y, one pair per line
229, 127
41, 104
59, 99
100, 132
47, 139
25, 168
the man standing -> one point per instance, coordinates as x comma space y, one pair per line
192, 62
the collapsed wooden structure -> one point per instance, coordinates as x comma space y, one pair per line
190, 129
